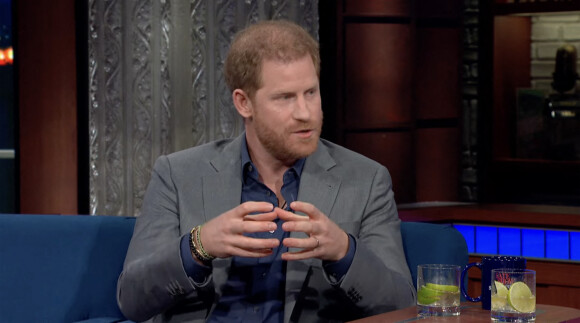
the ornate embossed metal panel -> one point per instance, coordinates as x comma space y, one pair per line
156, 84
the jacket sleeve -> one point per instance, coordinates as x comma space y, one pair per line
153, 279
379, 279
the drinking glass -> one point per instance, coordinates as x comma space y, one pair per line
438, 290
486, 265
513, 295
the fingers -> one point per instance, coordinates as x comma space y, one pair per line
253, 208
257, 217
267, 216
302, 243
255, 243
256, 226
317, 242
250, 247
223, 236
326, 240
260, 222
306, 208
309, 248
299, 226
290, 216
300, 223
292, 221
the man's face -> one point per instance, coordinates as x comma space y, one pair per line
287, 113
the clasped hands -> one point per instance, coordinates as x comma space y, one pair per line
223, 236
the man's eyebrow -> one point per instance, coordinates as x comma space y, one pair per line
283, 93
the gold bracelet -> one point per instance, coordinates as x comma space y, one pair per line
199, 245
195, 249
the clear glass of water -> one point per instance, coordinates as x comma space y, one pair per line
438, 290
513, 295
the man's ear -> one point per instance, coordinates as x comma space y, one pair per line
242, 103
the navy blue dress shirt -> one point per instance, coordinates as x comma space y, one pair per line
255, 289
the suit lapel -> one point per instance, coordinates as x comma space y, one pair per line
222, 192
320, 188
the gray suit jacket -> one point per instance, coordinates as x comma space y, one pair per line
190, 187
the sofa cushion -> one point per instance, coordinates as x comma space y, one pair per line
61, 268
105, 320
429, 243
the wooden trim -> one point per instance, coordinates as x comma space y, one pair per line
536, 7
47, 106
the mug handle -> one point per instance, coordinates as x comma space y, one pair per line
463, 283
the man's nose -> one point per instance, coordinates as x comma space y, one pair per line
301, 109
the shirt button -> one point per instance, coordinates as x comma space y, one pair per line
256, 309
250, 168
268, 193
263, 275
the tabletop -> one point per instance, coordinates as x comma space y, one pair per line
473, 313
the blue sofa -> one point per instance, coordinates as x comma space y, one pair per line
64, 268
61, 268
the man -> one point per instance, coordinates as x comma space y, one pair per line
276, 225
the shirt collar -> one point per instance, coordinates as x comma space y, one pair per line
247, 162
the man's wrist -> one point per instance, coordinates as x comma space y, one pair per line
193, 267
336, 270
197, 249
347, 245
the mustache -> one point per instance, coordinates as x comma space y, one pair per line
306, 126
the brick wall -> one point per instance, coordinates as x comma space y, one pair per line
548, 33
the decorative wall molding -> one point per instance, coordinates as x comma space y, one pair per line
156, 84
469, 142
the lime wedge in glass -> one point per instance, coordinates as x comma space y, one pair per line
499, 299
445, 288
501, 290
520, 298
427, 295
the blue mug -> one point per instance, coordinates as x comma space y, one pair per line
486, 264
